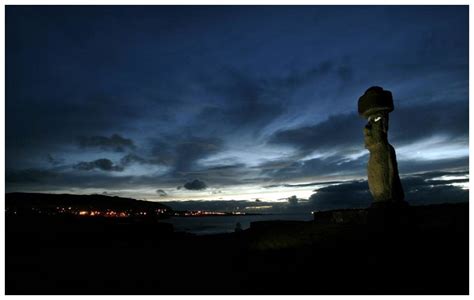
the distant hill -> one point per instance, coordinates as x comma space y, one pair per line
24, 201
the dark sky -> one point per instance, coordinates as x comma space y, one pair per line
234, 102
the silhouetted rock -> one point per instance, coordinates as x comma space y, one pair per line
390, 218
238, 227
344, 216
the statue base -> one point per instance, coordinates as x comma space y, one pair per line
389, 219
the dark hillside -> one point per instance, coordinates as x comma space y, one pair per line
48, 203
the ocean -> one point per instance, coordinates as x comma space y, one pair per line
213, 225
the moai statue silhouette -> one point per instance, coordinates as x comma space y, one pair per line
382, 169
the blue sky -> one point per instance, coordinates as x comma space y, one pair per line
228, 102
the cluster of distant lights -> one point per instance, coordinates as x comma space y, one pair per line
95, 213
120, 214
199, 213
110, 213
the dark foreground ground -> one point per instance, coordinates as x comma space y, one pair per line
52, 255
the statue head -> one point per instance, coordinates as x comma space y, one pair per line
375, 131
375, 100
375, 105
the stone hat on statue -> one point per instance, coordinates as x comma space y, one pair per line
375, 100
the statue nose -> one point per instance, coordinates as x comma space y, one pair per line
368, 126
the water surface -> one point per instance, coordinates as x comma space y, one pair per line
222, 224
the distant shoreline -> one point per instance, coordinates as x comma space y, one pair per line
223, 215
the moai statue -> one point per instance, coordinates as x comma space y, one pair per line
382, 170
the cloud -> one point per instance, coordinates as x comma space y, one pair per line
182, 153
253, 102
74, 181
55, 118
54, 160
420, 189
115, 142
247, 102
354, 194
313, 74
297, 79
293, 200
103, 164
188, 152
195, 185
345, 72
413, 166
344, 132
297, 169
414, 122
337, 132
337, 142
300, 185
29, 176
227, 175
332, 167
225, 205
161, 193
426, 188
132, 158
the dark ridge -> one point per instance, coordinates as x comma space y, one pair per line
40, 200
